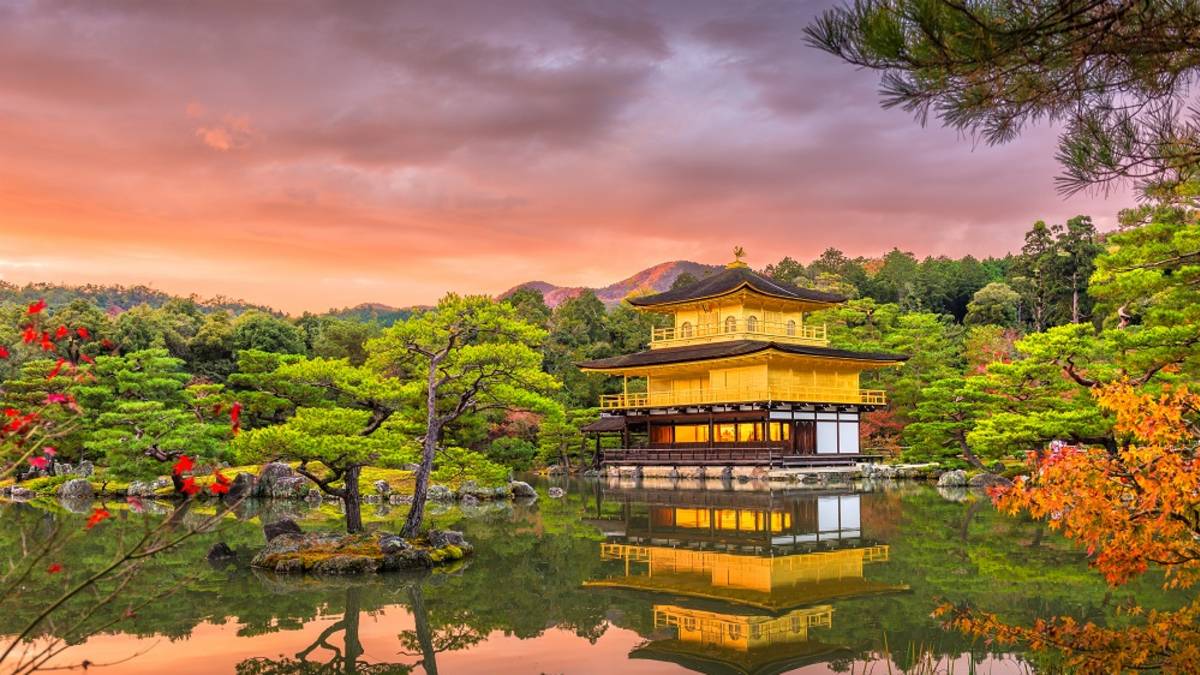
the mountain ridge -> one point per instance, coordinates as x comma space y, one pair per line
653, 279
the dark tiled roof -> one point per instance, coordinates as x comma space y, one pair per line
721, 350
605, 424
729, 280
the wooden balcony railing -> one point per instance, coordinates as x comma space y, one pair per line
685, 397
739, 329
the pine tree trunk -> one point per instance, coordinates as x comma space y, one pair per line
968, 454
412, 524
351, 500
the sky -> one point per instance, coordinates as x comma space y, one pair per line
309, 155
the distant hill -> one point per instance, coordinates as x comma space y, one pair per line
116, 298
384, 315
651, 280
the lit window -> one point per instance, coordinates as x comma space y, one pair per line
726, 433
752, 324
791, 327
731, 324
686, 329
691, 433
781, 431
748, 432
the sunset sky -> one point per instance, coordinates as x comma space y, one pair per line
307, 155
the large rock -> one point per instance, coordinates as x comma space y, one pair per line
440, 538
556, 493
393, 543
955, 478
281, 527
293, 487
439, 493
77, 488
243, 485
382, 488
471, 489
985, 480
522, 490
271, 474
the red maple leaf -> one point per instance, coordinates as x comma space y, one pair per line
83, 333
47, 343
39, 463
4, 352
29, 334
235, 417
56, 398
54, 568
61, 333
189, 486
50, 450
99, 514
56, 369
184, 464
221, 486
37, 307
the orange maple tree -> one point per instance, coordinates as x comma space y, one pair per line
1130, 508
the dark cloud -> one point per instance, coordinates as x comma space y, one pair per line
591, 137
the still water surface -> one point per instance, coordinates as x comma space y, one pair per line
621, 578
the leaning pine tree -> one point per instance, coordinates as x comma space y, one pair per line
465, 356
345, 418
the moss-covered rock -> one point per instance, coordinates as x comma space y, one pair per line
341, 554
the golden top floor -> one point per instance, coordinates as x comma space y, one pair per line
737, 304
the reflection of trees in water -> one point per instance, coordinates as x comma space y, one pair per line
326, 656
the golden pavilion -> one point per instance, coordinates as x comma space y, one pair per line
740, 377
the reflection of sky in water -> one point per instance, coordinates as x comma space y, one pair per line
639, 579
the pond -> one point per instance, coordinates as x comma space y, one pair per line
611, 578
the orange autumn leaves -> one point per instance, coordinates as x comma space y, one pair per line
1129, 508
1133, 507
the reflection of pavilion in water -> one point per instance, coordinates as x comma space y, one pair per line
747, 574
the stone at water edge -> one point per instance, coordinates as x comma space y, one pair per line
393, 543
78, 488
269, 475
281, 527
396, 499
22, 494
988, 480
382, 488
523, 490
955, 478
556, 493
243, 485
439, 493
469, 500
220, 551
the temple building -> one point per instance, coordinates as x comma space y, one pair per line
740, 377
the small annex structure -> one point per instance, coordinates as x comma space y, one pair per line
740, 377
